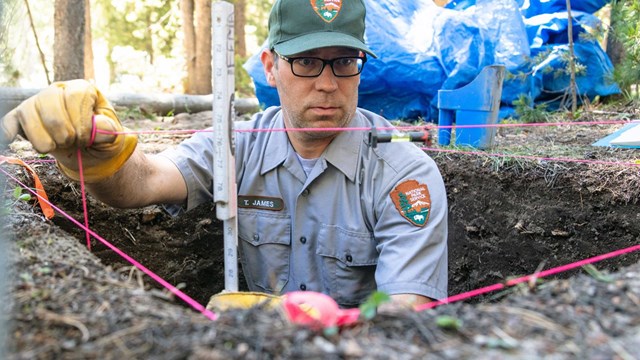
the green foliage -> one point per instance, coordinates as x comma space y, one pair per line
17, 194
565, 58
331, 331
597, 274
404, 202
369, 308
9, 74
448, 322
259, 10
627, 32
528, 112
244, 83
539, 63
145, 25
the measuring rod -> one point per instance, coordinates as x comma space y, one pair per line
224, 166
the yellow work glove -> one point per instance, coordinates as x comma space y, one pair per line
241, 300
63, 118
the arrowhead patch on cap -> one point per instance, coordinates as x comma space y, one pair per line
327, 9
413, 201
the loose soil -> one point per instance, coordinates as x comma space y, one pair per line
508, 216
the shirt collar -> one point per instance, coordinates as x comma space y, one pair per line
344, 149
342, 152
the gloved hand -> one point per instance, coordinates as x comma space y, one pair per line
65, 117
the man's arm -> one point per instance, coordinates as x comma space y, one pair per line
409, 300
143, 180
413, 245
403, 302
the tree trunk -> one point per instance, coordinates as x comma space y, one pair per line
89, 72
238, 27
202, 83
572, 63
149, 41
68, 41
189, 45
615, 49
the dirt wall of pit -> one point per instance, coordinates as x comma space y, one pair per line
507, 218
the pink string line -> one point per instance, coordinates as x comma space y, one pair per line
94, 129
139, 132
186, 298
390, 128
507, 125
84, 199
526, 278
530, 157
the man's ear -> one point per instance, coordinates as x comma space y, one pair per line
266, 57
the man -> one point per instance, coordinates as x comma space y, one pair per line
318, 208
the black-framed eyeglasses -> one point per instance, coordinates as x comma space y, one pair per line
306, 66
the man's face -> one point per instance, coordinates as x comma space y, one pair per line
325, 101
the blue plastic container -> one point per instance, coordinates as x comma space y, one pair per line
475, 104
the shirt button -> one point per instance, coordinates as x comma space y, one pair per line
256, 237
303, 287
303, 240
305, 192
349, 258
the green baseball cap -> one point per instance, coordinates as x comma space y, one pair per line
296, 26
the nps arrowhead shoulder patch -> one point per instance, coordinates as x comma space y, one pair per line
413, 201
327, 9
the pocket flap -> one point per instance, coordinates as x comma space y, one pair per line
258, 228
350, 247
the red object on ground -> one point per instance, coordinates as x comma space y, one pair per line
317, 310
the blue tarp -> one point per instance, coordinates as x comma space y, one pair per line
422, 48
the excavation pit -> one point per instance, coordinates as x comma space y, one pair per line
507, 219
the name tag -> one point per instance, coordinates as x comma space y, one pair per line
260, 202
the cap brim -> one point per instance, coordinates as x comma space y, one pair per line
320, 40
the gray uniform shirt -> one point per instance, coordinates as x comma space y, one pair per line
364, 219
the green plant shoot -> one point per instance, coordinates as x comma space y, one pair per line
19, 195
369, 308
597, 274
448, 322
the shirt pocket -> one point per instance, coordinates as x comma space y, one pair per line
349, 260
265, 249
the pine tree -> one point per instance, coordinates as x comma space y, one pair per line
404, 202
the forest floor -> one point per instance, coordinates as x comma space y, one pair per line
508, 216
